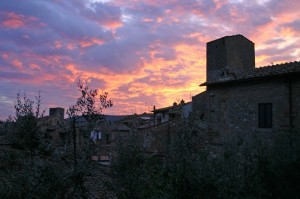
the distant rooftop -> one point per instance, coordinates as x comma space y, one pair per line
256, 73
170, 107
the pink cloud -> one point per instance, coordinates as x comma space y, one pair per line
18, 64
144, 53
34, 66
90, 41
15, 21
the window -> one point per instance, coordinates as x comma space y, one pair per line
107, 138
265, 115
158, 119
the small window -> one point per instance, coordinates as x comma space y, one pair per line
158, 119
265, 115
107, 138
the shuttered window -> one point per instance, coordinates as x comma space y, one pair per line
265, 115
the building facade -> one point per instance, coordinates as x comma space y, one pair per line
166, 114
240, 98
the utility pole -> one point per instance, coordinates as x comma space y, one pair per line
74, 142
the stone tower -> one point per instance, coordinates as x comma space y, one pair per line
57, 112
227, 56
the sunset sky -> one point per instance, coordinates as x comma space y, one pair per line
142, 52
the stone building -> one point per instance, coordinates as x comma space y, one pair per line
166, 114
53, 127
57, 112
240, 98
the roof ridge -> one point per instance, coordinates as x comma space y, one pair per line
264, 71
280, 64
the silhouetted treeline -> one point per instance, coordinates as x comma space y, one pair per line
30, 167
243, 167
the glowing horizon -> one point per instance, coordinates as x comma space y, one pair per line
143, 53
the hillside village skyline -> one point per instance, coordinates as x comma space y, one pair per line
141, 54
236, 139
196, 99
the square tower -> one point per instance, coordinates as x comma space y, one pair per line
231, 53
57, 112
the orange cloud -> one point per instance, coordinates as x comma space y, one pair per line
275, 29
193, 71
169, 69
18, 64
34, 66
113, 24
14, 21
159, 19
288, 32
219, 3
91, 41
57, 44
70, 46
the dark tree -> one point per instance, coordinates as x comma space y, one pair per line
26, 132
89, 105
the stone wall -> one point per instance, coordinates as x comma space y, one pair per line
233, 108
200, 106
296, 102
234, 53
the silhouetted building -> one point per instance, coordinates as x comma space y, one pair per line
242, 98
166, 114
57, 112
229, 54
53, 127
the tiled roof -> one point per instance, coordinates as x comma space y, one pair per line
170, 107
262, 72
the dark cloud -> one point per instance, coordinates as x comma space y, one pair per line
103, 14
15, 76
67, 23
47, 45
295, 25
271, 51
275, 41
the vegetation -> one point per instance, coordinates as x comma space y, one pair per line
248, 167
25, 133
87, 104
244, 167
89, 107
26, 171
30, 169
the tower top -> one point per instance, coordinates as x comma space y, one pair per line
227, 55
57, 112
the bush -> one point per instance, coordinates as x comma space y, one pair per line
245, 167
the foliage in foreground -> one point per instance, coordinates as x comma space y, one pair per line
36, 179
250, 167
32, 169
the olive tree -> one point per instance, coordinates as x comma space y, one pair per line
90, 106
26, 134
